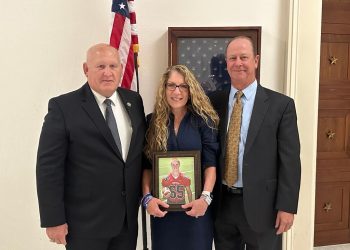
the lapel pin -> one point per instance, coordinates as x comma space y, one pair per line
128, 104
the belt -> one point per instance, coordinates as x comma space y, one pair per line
232, 190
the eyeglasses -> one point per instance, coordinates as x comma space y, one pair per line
182, 87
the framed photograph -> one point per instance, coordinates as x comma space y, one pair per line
202, 50
177, 177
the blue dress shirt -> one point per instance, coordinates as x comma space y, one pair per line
248, 99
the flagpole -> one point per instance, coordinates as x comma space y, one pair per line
143, 211
136, 64
144, 228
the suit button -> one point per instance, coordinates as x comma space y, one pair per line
123, 193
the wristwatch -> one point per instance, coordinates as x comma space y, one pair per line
207, 197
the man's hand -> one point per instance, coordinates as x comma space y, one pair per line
284, 221
58, 234
197, 207
153, 207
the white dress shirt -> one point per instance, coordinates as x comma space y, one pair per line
121, 117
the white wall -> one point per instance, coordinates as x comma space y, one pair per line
42, 47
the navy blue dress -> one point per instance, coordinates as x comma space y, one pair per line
177, 230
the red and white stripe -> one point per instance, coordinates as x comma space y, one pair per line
124, 38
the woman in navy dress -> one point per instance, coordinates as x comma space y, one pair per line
183, 119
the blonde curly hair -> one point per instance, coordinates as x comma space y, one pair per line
198, 102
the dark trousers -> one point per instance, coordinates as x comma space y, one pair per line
125, 240
232, 231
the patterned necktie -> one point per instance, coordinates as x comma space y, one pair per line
232, 142
112, 124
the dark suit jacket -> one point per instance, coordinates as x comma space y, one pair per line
271, 162
82, 178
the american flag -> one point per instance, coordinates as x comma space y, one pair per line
124, 38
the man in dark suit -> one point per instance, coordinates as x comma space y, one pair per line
89, 172
258, 204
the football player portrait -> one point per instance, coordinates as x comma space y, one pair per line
176, 185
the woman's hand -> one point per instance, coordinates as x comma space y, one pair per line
153, 207
197, 207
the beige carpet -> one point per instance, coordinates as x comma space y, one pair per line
336, 247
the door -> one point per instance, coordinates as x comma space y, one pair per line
332, 221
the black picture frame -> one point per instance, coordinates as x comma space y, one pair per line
176, 191
202, 50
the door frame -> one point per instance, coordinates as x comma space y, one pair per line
302, 84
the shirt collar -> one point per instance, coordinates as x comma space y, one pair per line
248, 92
100, 98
